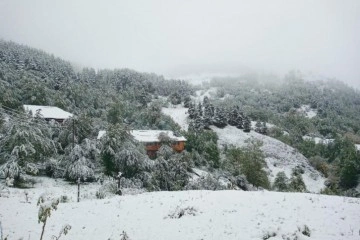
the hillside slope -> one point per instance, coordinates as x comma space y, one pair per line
278, 155
182, 215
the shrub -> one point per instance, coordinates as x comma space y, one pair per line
249, 161
297, 184
320, 164
281, 182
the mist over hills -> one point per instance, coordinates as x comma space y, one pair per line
296, 111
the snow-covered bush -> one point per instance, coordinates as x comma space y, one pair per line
181, 212
208, 182
130, 161
297, 184
46, 206
82, 169
165, 151
107, 189
53, 168
281, 182
170, 174
78, 166
10, 169
249, 161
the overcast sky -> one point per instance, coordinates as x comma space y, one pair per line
177, 38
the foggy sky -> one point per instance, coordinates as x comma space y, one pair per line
177, 38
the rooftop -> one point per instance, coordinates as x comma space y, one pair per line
149, 135
48, 111
153, 135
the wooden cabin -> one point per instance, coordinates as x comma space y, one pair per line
153, 139
48, 112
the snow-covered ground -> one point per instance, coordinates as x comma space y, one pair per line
200, 94
319, 140
179, 115
308, 111
278, 155
181, 215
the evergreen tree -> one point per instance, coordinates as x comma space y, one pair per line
258, 126
249, 161
233, 117
199, 110
78, 165
208, 113
247, 124
191, 111
239, 120
219, 118
175, 98
281, 182
130, 161
111, 144
212, 154
264, 129
187, 101
297, 183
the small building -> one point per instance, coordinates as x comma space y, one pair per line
357, 146
153, 139
48, 112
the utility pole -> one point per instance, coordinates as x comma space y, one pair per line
73, 143
118, 178
78, 193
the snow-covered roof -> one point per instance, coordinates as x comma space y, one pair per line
149, 135
101, 134
48, 111
357, 147
153, 135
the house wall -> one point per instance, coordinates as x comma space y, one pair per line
152, 148
179, 146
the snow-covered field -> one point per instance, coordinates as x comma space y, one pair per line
182, 215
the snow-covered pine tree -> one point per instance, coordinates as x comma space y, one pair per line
165, 151
220, 120
239, 120
130, 161
208, 113
281, 182
232, 119
264, 128
78, 165
199, 110
116, 136
187, 101
25, 141
258, 126
191, 110
247, 124
199, 123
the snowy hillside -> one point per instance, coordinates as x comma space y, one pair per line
179, 115
278, 156
182, 215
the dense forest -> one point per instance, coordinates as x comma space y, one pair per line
119, 100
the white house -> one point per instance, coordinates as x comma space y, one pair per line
48, 112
